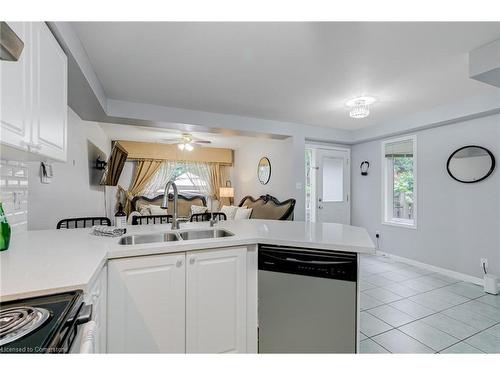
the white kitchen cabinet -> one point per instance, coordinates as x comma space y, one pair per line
216, 290
15, 93
97, 297
49, 94
200, 302
146, 304
34, 96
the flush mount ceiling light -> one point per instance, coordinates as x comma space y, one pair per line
360, 106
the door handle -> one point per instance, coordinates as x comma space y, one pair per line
320, 199
192, 260
320, 207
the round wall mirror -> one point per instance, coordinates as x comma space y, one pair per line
470, 164
264, 170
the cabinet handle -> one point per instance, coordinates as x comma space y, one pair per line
31, 146
192, 260
25, 144
179, 263
36, 146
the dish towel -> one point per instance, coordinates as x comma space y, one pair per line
103, 230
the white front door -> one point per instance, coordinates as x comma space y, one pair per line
333, 186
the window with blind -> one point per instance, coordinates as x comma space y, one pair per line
400, 181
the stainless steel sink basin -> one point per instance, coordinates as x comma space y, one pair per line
201, 234
149, 238
185, 235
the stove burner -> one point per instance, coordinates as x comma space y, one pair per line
17, 322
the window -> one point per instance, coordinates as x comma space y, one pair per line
399, 160
190, 178
333, 179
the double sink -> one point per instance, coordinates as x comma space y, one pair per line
186, 235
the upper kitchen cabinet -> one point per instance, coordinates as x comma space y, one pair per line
34, 96
15, 94
50, 82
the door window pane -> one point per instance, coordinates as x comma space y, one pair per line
333, 179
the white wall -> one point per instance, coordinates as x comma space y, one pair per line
457, 223
70, 194
282, 182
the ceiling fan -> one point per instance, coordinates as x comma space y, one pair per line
186, 141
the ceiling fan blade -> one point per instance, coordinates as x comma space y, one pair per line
169, 141
202, 141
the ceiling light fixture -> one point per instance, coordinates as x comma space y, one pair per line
360, 106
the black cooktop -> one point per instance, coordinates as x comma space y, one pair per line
55, 334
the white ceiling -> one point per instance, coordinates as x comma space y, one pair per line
297, 72
159, 135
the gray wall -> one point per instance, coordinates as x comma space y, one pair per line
282, 182
71, 194
457, 223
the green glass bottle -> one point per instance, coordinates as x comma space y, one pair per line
4, 230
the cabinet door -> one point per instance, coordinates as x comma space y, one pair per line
146, 304
15, 95
50, 76
216, 301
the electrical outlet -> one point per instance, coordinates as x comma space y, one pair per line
484, 261
377, 234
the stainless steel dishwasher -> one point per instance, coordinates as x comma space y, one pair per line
307, 300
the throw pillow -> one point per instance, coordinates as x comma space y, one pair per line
230, 211
198, 209
144, 211
157, 210
242, 213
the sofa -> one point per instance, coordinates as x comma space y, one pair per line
269, 207
184, 203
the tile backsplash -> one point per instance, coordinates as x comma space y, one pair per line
14, 193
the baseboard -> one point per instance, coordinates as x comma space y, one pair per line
425, 266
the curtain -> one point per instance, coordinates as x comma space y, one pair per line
200, 170
164, 174
215, 180
144, 170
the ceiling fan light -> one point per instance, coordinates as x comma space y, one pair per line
181, 146
189, 147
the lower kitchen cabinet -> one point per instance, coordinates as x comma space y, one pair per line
176, 303
146, 304
216, 301
97, 296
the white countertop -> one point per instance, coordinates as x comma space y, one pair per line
53, 261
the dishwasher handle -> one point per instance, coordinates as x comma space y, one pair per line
317, 262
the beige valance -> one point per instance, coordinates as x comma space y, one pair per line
161, 151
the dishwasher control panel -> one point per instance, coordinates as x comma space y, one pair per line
309, 262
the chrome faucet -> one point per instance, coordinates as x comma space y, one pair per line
164, 203
213, 221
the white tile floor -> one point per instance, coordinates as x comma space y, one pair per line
406, 309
